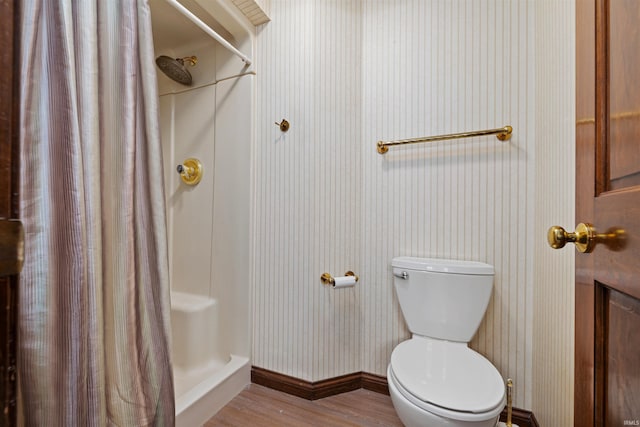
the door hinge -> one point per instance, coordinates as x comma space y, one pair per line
11, 247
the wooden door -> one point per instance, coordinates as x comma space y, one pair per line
607, 382
8, 210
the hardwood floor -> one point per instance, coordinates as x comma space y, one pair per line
261, 406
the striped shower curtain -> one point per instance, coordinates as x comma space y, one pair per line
94, 292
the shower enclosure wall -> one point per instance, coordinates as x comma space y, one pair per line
209, 224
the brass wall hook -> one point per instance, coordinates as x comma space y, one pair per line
284, 125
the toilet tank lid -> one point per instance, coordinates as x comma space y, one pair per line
450, 266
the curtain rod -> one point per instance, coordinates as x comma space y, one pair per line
204, 27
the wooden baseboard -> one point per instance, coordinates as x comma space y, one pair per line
374, 383
306, 389
332, 386
520, 417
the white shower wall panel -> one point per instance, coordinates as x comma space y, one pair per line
190, 116
231, 257
209, 224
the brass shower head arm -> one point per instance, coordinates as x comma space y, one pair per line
192, 60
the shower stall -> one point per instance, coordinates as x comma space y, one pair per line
207, 113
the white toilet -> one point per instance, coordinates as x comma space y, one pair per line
434, 378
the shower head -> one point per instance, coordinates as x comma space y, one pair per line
175, 68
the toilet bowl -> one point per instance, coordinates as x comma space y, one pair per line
434, 378
441, 383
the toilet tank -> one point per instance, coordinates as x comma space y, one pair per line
440, 298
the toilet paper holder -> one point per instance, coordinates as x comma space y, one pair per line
327, 279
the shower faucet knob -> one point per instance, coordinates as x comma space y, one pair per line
190, 171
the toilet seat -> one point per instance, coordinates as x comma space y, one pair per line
447, 378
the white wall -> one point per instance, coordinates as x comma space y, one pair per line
308, 197
346, 74
349, 73
442, 67
553, 333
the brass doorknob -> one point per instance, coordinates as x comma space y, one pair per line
584, 237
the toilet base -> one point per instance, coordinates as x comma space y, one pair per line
413, 416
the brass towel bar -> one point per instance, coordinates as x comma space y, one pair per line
503, 134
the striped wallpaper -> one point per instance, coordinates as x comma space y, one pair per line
308, 202
439, 67
553, 328
347, 74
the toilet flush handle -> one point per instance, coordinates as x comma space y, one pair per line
404, 275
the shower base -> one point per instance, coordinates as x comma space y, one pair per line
204, 378
201, 401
